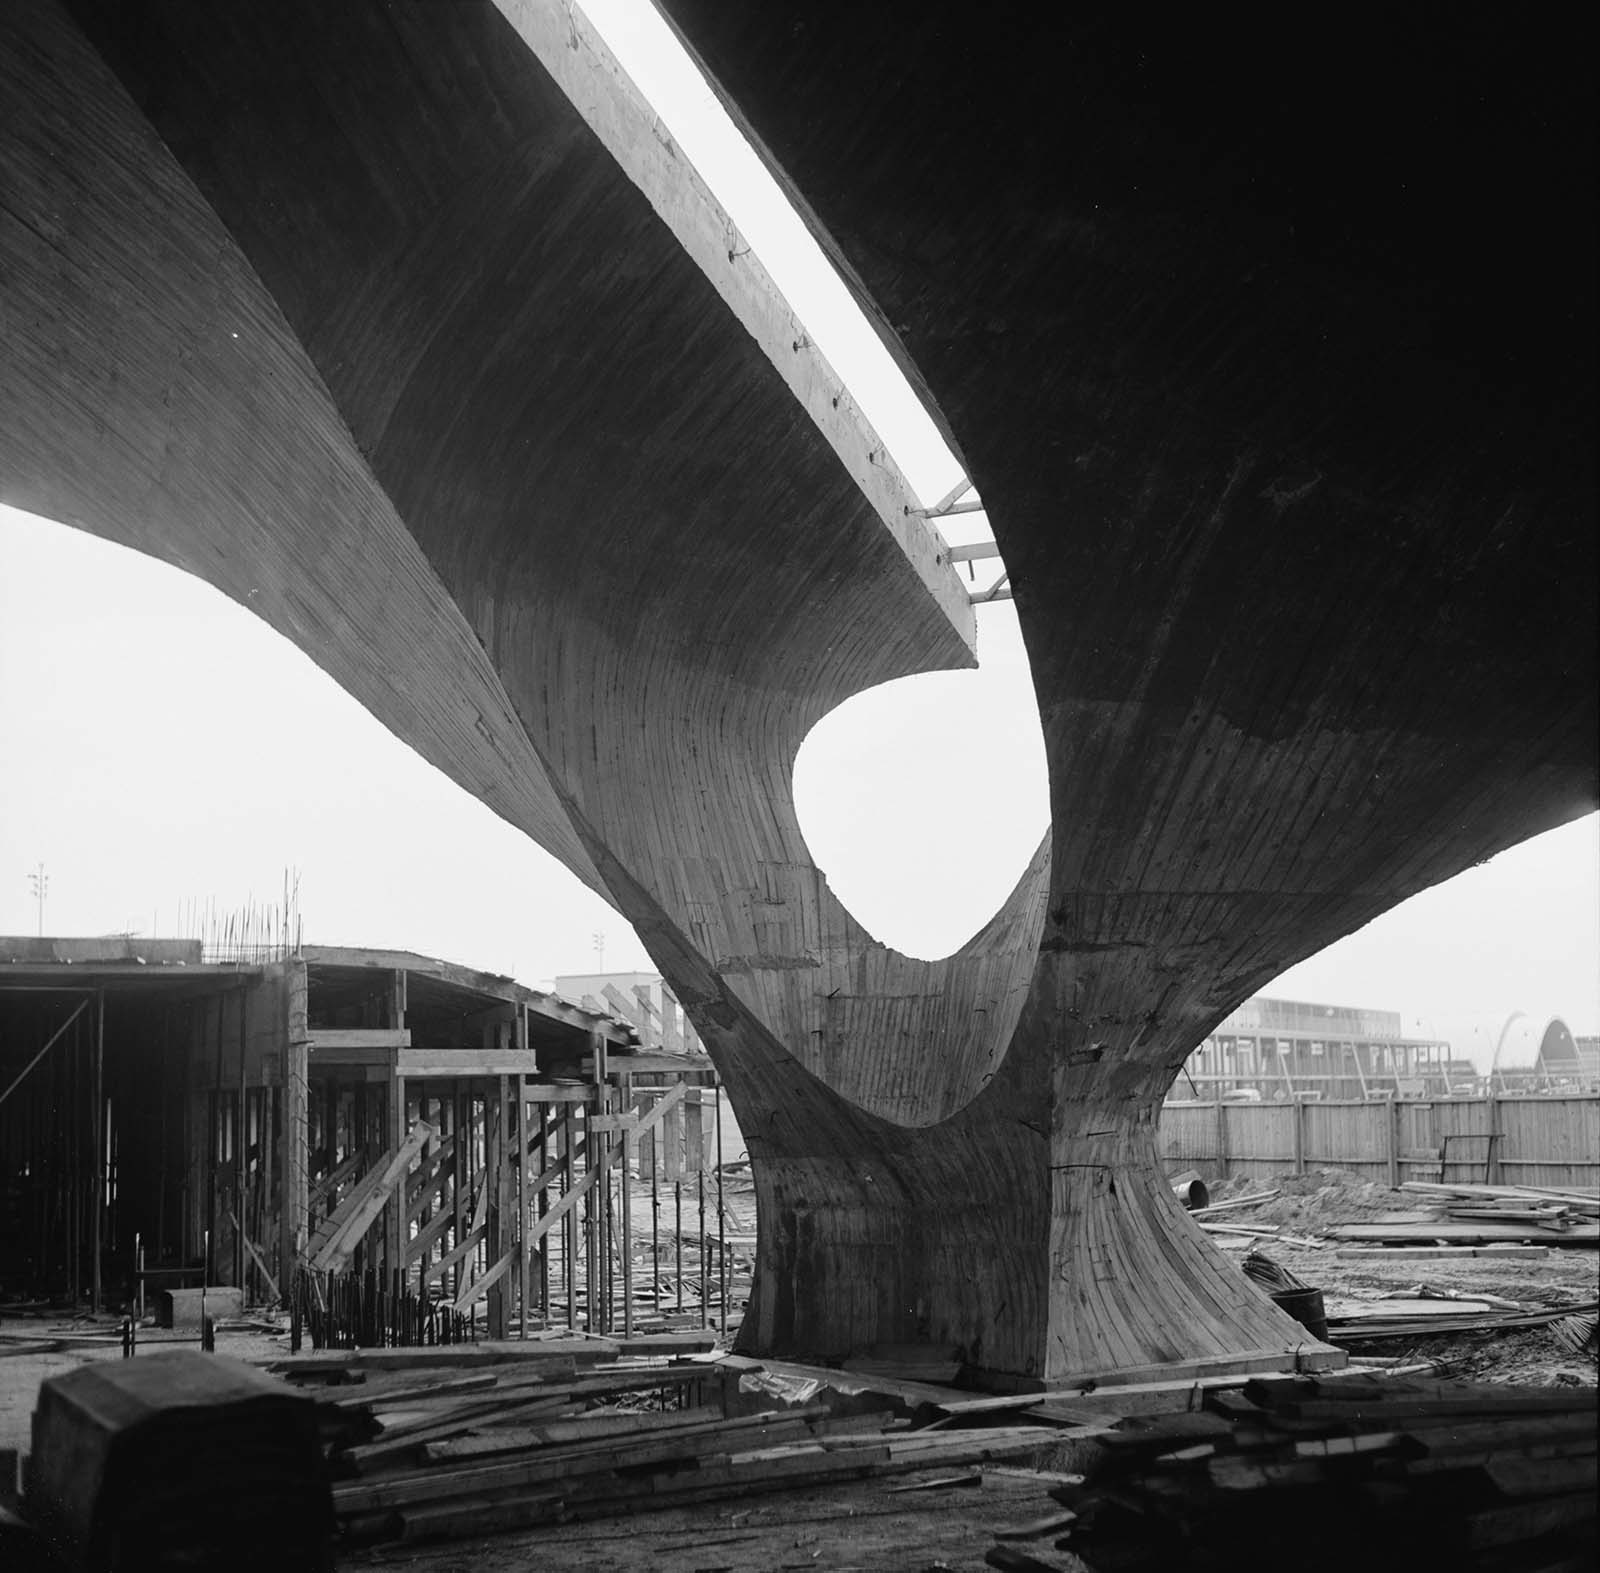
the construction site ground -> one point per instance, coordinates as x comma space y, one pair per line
878, 1524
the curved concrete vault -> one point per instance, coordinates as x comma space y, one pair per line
349, 310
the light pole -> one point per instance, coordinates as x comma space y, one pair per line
600, 950
40, 881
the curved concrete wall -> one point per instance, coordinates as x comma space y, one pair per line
348, 310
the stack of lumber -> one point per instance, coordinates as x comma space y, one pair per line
424, 1450
1485, 1214
1425, 1314
1338, 1472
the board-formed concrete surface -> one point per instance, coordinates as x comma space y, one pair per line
1279, 396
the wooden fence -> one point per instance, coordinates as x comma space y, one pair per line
1499, 1141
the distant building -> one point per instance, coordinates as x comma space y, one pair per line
1588, 1059
1284, 1049
1536, 1054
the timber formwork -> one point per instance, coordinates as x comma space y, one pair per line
461, 1141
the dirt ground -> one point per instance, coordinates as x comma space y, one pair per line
870, 1524
865, 1527
1531, 1357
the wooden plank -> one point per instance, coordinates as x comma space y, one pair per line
663, 1106
475, 1234
656, 1064
649, 1016
1180, 1377
486, 984
593, 1427
694, 1133
430, 1177
1465, 1233
481, 1285
1437, 1253
671, 1035
565, 1463
524, 1356
549, 1092
255, 1256
359, 1211
1525, 1477
321, 1189
570, 1200
491, 1060
672, 1139
623, 1006
334, 1040
347, 1060
428, 1233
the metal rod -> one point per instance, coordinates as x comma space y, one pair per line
97, 1212
722, 1221
655, 1211
627, 1219
240, 1266
705, 1297
522, 1205
569, 1224
544, 1207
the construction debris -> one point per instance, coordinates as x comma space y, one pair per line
1414, 1318
1235, 1204
1486, 1214
1318, 1472
423, 1446
1577, 1332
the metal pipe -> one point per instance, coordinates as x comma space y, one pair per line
655, 1212
98, 1210
522, 1204
627, 1224
705, 1286
569, 1224
722, 1221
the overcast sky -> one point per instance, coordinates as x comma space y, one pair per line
162, 748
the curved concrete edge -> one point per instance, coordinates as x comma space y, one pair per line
142, 350
567, 45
